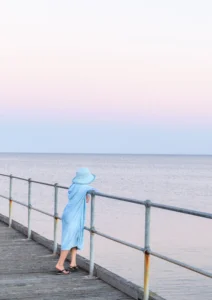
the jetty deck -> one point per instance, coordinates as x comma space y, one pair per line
27, 272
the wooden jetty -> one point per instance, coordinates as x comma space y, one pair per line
27, 263
27, 272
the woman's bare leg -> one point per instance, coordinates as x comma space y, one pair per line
60, 264
73, 257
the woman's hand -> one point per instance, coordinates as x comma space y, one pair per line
87, 198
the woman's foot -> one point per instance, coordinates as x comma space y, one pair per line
73, 268
61, 270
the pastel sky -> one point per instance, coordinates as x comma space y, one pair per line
113, 76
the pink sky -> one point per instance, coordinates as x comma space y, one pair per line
130, 61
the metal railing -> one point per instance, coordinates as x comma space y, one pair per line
146, 249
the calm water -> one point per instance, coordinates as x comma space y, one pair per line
184, 181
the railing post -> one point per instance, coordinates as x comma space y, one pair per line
147, 250
91, 269
29, 208
10, 201
55, 217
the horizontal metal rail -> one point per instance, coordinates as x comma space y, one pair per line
135, 201
114, 239
21, 203
25, 179
31, 207
148, 205
2, 196
183, 210
43, 183
20, 178
18, 202
181, 264
5, 175
157, 205
42, 212
63, 187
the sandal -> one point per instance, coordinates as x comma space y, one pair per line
73, 269
62, 272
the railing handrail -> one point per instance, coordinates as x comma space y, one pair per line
148, 205
130, 200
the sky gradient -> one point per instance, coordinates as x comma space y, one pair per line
106, 76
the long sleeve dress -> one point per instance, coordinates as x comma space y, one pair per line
73, 217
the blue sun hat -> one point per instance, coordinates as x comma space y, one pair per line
83, 176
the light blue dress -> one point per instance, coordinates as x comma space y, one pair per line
73, 217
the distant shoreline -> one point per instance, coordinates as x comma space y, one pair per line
100, 154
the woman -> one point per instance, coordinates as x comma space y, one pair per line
73, 219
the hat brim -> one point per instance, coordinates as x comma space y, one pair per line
84, 180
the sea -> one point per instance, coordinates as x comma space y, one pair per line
182, 181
